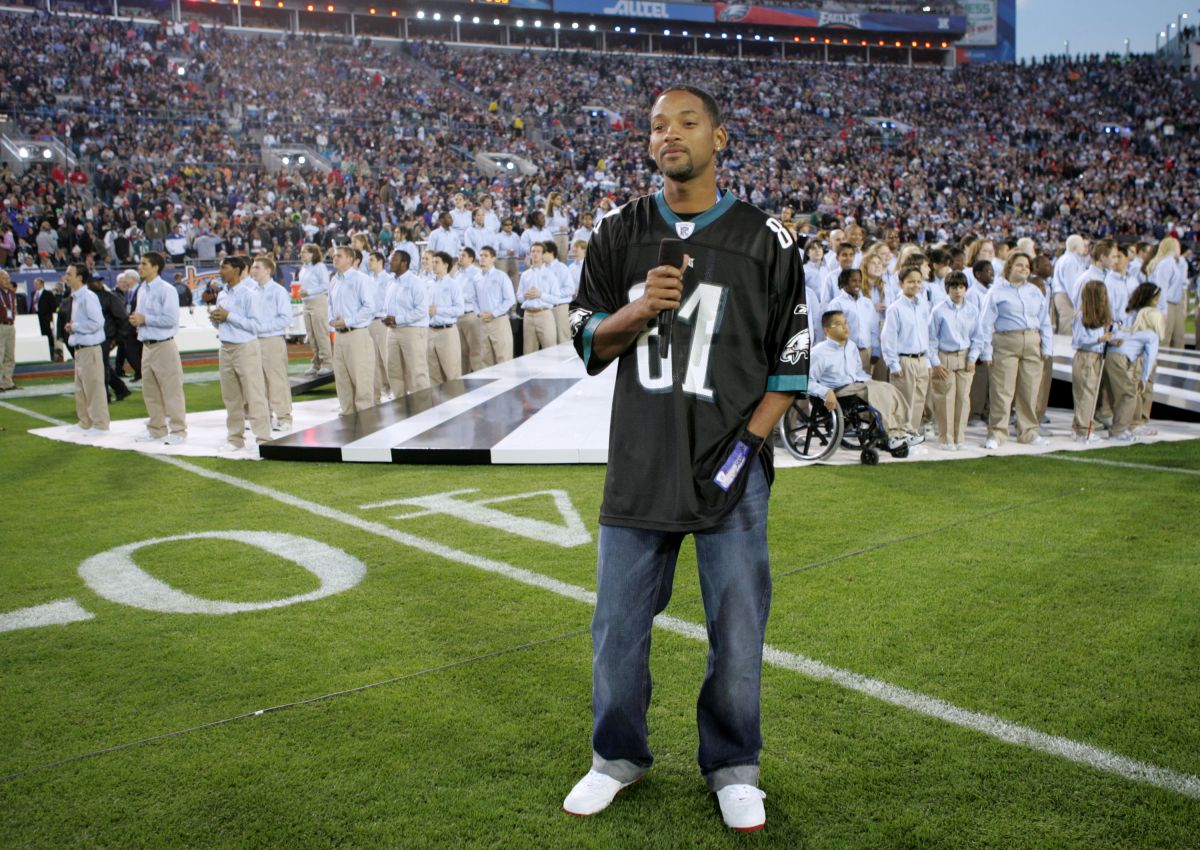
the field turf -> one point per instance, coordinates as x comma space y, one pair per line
444, 699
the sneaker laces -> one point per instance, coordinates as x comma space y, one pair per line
745, 792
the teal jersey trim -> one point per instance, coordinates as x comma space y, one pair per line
723, 205
589, 330
787, 384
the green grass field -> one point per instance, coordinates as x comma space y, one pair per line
1060, 597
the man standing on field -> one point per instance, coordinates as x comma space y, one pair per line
685, 451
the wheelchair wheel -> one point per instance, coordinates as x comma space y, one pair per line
900, 451
809, 431
869, 457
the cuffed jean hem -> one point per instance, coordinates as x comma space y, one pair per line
738, 774
622, 770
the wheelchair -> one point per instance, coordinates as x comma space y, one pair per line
812, 433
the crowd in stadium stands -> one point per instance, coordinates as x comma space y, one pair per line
167, 124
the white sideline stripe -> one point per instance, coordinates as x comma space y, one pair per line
51, 614
1122, 464
1185, 784
47, 419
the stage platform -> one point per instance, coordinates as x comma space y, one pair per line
543, 408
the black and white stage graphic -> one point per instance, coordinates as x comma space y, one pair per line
543, 408
540, 408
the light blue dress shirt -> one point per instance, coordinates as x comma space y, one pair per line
408, 301
952, 327
538, 278
496, 293
242, 302
274, 310
87, 318
905, 330
860, 316
350, 299
1012, 308
446, 296
832, 366
158, 302
314, 279
468, 282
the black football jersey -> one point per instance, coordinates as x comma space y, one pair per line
741, 330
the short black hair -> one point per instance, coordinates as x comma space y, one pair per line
233, 262
827, 317
844, 277
469, 251
550, 247
710, 102
980, 265
956, 279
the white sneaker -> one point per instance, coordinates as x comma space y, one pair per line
592, 794
914, 439
175, 439
228, 447
958, 447
1038, 441
742, 807
147, 437
948, 447
895, 443
990, 443
75, 430
1144, 431
96, 432
1126, 437
310, 371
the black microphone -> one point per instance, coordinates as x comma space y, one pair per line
670, 253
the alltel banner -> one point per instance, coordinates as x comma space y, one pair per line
701, 12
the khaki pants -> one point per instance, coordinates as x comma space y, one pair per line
91, 394
562, 322
316, 327
470, 341
162, 388
1145, 398
1043, 400
1086, 372
981, 390
497, 340
1016, 377
884, 398
445, 355
8, 355
408, 360
952, 397
538, 330
1176, 320
913, 384
243, 389
1063, 313
377, 330
273, 352
354, 370
1121, 376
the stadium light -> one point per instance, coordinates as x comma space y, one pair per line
557, 25
520, 22
394, 12
724, 35
495, 22
23, 153
437, 16
310, 8
181, 71
757, 37
666, 32
591, 27
618, 27
574, 25
739, 36
458, 19
770, 38
47, 153
372, 11
286, 160
537, 23
302, 159
633, 29
420, 16
475, 19
329, 8
685, 32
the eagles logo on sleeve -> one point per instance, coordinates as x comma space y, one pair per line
578, 319
796, 349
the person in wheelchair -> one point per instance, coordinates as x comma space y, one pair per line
836, 371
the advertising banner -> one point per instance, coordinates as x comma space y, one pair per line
951, 26
700, 12
981, 23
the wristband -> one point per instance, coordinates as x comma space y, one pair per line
745, 448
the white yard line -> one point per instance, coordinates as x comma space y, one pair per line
1147, 466
986, 724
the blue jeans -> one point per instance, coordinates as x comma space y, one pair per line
636, 568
